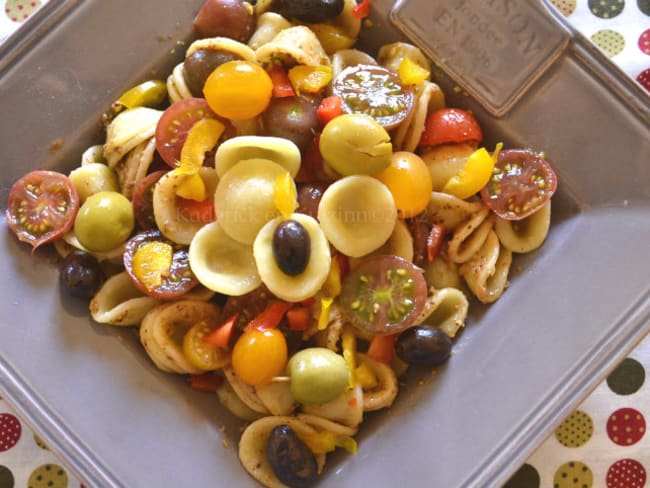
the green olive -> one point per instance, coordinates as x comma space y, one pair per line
318, 375
355, 144
93, 178
104, 221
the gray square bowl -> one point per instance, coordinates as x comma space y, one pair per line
573, 309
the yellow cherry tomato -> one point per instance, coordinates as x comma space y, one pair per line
409, 181
238, 90
475, 174
259, 355
201, 354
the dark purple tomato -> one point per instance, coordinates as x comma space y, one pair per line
200, 64
292, 118
309, 195
225, 18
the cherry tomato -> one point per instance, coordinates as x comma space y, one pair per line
259, 355
409, 181
174, 281
384, 294
225, 18
143, 200
195, 211
198, 352
450, 125
42, 206
375, 91
238, 90
175, 123
522, 181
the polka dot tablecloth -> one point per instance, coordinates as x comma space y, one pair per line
602, 444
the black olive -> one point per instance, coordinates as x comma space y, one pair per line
200, 64
80, 274
292, 462
291, 247
423, 345
312, 11
292, 118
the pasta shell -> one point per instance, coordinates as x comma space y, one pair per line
400, 243
128, 129
229, 399
276, 149
486, 273
295, 45
119, 302
347, 21
428, 98
94, 154
245, 392
222, 264
526, 235
322, 423
253, 444
171, 222
383, 395
303, 285
162, 327
346, 409
392, 55
223, 44
345, 58
177, 88
468, 238
276, 397
445, 309
450, 211
443, 273
269, 25
114, 255
446, 161
135, 165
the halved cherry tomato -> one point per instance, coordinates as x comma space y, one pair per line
196, 211
175, 281
42, 207
175, 123
375, 91
384, 294
259, 355
143, 200
450, 125
199, 352
522, 181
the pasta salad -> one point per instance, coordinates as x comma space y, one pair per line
289, 222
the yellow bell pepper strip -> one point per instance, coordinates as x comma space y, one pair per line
202, 137
285, 196
365, 377
310, 79
150, 93
152, 262
475, 174
349, 346
326, 441
324, 316
411, 73
332, 37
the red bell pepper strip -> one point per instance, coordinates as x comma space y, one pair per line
434, 241
270, 317
281, 84
207, 382
361, 10
382, 348
329, 108
299, 318
220, 337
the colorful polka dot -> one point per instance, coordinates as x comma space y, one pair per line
626, 473
627, 378
6, 477
566, 7
611, 42
644, 42
626, 426
644, 6
10, 431
644, 79
39, 442
573, 474
526, 477
606, 9
48, 476
576, 430
20, 10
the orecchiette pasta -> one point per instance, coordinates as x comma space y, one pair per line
526, 235
382, 395
127, 130
295, 45
269, 25
450, 211
468, 238
119, 302
446, 309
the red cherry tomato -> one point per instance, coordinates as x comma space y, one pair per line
143, 200
384, 294
450, 125
176, 122
522, 181
175, 281
42, 207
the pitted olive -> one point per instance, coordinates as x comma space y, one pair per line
104, 221
292, 461
291, 247
423, 345
318, 375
